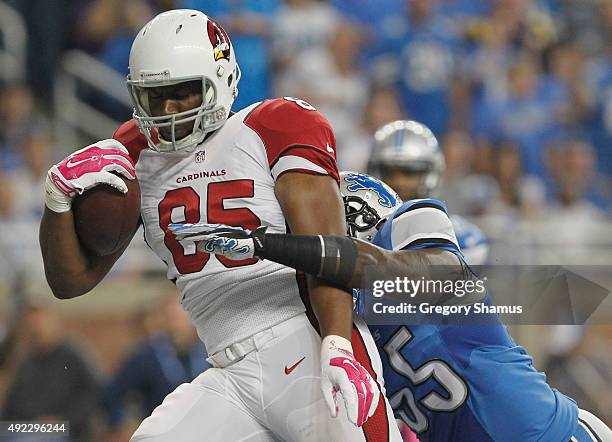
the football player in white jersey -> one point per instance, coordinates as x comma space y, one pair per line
272, 164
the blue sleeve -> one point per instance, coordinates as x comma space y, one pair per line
526, 407
418, 224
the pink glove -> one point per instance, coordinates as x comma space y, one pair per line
406, 432
341, 372
85, 169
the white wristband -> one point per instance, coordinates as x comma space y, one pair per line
334, 342
55, 200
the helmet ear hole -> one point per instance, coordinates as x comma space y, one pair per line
230, 78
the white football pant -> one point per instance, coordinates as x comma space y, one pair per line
272, 394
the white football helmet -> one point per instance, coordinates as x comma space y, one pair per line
409, 146
178, 46
368, 202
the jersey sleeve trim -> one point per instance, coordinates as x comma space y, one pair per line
423, 243
426, 222
586, 432
314, 150
290, 162
432, 204
420, 239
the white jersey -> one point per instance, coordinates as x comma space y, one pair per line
230, 179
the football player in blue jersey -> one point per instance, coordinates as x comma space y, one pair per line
407, 156
447, 382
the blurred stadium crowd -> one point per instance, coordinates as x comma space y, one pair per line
518, 92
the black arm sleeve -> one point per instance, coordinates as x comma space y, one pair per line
331, 258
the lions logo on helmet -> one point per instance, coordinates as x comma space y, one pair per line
367, 203
360, 181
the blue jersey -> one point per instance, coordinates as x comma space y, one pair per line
462, 382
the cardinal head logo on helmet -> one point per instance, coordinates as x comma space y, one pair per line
219, 40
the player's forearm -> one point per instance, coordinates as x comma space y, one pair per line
318, 210
343, 261
67, 268
338, 260
314, 255
333, 308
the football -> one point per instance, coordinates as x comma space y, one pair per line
105, 218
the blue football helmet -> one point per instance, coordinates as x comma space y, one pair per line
411, 147
368, 202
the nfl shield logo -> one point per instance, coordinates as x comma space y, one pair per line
199, 156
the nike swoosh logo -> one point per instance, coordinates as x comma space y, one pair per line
71, 164
329, 149
347, 362
288, 370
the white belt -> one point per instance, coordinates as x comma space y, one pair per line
238, 350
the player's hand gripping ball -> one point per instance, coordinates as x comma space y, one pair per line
99, 184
